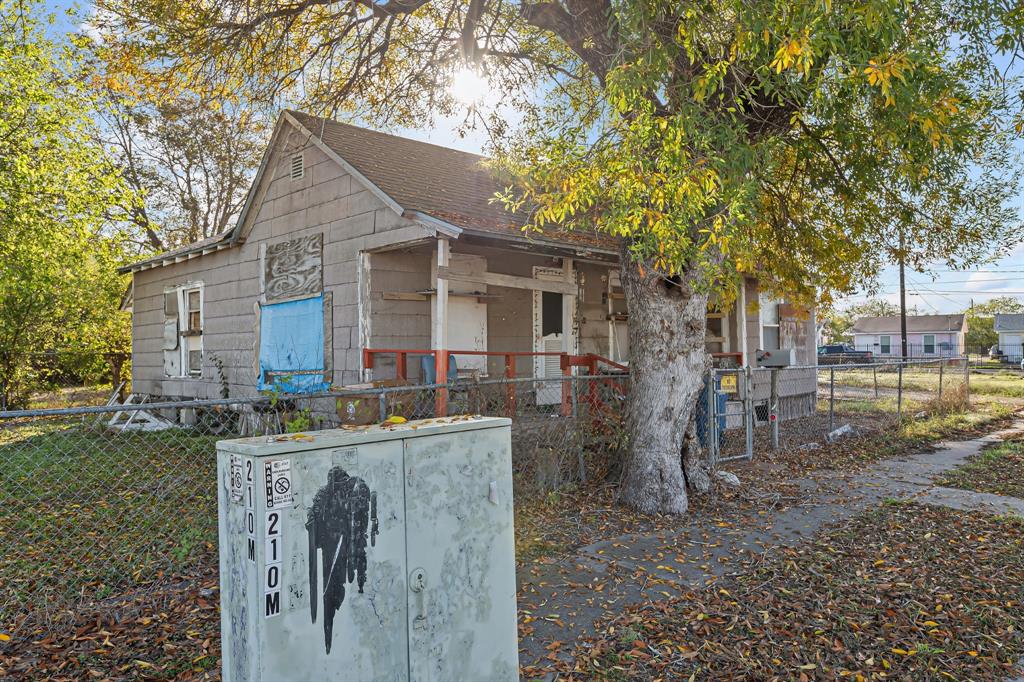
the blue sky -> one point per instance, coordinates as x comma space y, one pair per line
938, 291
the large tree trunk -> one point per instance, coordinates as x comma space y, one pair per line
667, 364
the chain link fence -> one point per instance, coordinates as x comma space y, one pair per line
764, 409
107, 502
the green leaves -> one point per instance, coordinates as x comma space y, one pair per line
58, 281
787, 140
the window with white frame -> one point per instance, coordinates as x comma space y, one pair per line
183, 330
769, 313
885, 345
929, 344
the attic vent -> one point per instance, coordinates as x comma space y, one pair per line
297, 166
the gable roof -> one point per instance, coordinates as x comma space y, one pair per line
916, 324
1009, 322
446, 189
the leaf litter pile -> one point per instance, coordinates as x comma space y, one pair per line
998, 470
904, 592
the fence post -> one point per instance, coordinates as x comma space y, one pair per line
899, 392
574, 390
712, 424
831, 399
748, 409
773, 412
383, 406
874, 374
581, 459
967, 377
942, 364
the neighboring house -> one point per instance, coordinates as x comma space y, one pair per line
354, 244
1010, 328
927, 335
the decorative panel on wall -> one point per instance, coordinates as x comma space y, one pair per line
294, 268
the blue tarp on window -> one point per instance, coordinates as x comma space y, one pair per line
292, 346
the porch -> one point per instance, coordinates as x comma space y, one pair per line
469, 309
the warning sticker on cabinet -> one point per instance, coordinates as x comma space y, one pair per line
278, 477
235, 478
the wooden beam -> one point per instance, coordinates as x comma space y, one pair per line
402, 296
510, 281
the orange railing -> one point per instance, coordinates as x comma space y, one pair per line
591, 362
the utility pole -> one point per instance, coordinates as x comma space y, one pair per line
903, 295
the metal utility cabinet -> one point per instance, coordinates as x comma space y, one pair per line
369, 553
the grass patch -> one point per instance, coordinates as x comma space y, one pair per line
902, 592
1005, 384
998, 470
91, 513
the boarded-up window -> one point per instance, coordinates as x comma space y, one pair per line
291, 352
183, 330
294, 268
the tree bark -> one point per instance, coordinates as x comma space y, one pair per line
667, 363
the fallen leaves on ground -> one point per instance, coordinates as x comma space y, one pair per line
170, 632
998, 470
905, 592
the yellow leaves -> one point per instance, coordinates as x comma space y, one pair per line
4, 637
881, 73
795, 53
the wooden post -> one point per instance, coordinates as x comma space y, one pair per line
967, 376
899, 392
441, 331
510, 387
401, 366
568, 336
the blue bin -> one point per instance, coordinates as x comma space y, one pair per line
703, 416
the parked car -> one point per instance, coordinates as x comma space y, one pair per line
842, 354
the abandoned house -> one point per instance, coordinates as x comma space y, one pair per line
359, 254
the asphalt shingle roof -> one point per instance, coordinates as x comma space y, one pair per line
1009, 322
915, 324
448, 184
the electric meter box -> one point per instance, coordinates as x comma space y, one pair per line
778, 357
369, 553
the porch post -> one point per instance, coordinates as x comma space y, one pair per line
441, 331
569, 337
741, 320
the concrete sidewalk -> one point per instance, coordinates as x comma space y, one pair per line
561, 602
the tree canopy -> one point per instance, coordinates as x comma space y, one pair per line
790, 140
58, 282
188, 159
